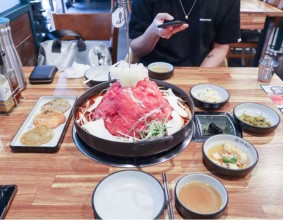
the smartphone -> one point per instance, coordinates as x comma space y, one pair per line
42, 74
171, 23
7, 194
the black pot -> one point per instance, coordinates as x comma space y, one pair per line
140, 148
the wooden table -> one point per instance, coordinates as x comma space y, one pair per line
256, 14
60, 185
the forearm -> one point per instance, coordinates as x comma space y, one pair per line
216, 56
145, 43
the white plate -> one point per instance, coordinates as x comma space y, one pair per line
28, 124
98, 73
128, 194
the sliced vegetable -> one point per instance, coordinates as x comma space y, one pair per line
232, 160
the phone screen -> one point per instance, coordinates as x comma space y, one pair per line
171, 23
7, 193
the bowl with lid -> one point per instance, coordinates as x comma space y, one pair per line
160, 70
209, 96
199, 195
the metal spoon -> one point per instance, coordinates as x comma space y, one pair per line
167, 196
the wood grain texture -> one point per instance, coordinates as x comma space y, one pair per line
23, 39
60, 185
254, 13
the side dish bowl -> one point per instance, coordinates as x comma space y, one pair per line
215, 98
207, 180
128, 194
240, 143
97, 74
160, 70
256, 110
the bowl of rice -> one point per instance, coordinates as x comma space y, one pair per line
209, 96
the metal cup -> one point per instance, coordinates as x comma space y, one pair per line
266, 70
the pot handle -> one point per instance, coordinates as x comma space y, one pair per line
164, 139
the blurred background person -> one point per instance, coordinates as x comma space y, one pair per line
204, 41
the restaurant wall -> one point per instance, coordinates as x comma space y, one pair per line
22, 29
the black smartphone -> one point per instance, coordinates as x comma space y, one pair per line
42, 74
171, 23
7, 194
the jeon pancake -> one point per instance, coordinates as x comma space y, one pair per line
58, 104
49, 118
37, 136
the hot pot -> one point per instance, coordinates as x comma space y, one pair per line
133, 149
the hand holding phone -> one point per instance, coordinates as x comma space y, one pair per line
175, 23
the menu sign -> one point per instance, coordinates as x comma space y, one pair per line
275, 93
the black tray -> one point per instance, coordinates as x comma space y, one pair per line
218, 118
129, 162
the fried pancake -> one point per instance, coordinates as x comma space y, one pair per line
49, 118
58, 104
37, 136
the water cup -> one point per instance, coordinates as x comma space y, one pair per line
266, 70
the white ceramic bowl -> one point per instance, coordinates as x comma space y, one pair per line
241, 144
97, 74
223, 93
128, 194
160, 70
255, 109
199, 177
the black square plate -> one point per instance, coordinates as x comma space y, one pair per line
208, 124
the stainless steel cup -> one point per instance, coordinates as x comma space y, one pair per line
266, 69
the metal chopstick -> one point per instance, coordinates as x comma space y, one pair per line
168, 198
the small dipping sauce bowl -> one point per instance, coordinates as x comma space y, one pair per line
160, 70
202, 191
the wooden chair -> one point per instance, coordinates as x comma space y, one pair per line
96, 26
245, 50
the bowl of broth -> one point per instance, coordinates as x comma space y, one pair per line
199, 195
160, 70
229, 155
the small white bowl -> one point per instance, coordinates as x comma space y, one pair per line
241, 144
255, 109
128, 194
160, 70
199, 177
97, 74
223, 93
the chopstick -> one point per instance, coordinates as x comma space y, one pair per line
168, 198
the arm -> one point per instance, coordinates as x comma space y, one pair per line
145, 43
216, 56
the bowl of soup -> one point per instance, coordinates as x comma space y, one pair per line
199, 195
229, 155
160, 70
